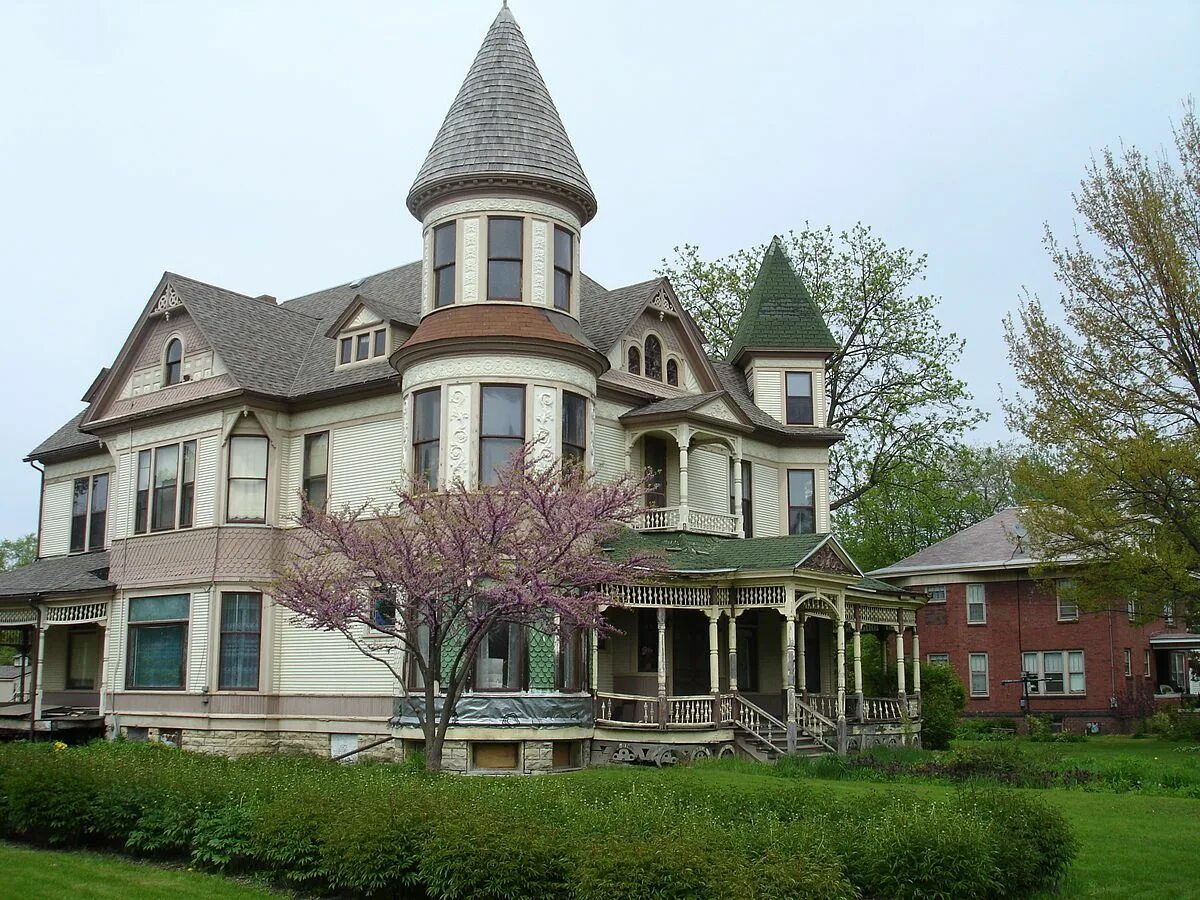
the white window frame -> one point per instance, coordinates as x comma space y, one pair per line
936, 593
1039, 669
1146, 674
938, 659
370, 334
981, 602
1073, 617
971, 673
1127, 656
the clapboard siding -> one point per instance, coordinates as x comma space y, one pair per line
198, 642
610, 450
708, 481
56, 519
821, 483
291, 466
367, 462
767, 508
768, 392
115, 639
207, 459
324, 661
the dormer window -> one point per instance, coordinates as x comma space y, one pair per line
364, 345
672, 373
653, 348
635, 361
444, 238
506, 238
173, 368
799, 398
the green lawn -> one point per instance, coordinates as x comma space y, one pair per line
31, 874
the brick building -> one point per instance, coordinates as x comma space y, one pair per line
992, 620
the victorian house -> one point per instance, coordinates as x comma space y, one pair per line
168, 501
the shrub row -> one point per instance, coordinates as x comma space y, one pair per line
374, 829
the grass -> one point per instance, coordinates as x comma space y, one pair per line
34, 874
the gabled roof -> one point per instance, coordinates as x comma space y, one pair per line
688, 404
68, 439
503, 127
780, 313
58, 575
997, 542
606, 315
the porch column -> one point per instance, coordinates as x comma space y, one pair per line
858, 678
839, 626
662, 667
900, 686
916, 658
789, 674
714, 662
733, 665
594, 662
739, 526
39, 675
684, 438
801, 665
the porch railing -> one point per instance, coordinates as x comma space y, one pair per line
664, 518
674, 518
627, 710
872, 709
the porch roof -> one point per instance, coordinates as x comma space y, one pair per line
57, 575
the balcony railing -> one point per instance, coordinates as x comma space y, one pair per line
676, 518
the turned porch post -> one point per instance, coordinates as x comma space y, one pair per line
858, 668
684, 437
594, 662
840, 629
739, 526
900, 679
714, 661
662, 667
801, 664
733, 665
789, 664
916, 658
39, 675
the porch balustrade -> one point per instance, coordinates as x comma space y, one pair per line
679, 518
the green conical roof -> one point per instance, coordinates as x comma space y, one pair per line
780, 314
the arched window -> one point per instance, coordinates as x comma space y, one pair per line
173, 373
654, 358
672, 372
635, 361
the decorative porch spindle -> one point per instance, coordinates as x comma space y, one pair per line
858, 668
684, 437
900, 686
916, 658
733, 663
662, 667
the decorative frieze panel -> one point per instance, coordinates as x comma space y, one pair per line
538, 236
17, 615
826, 559
458, 433
502, 206
879, 615
470, 261
544, 421
167, 301
76, 613
759, 595
466, 368
663, 595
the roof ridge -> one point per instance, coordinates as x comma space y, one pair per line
237, 294
347, 284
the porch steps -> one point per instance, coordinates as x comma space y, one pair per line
761, 736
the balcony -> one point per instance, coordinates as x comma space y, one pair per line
681, 518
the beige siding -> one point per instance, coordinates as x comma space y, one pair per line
708, 481
768, 392
610, 450
208, 451
56, 519
768, 516
324, 662
54, 671
199, 645
821, 483
291, 468
116, 643
367, 461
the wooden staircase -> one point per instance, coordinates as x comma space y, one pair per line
761, 736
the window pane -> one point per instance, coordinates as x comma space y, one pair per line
801, 501
653, 358
504, 238
672, 372
427, 414
247, 500
174, 362
241, 621
443, 244
574, 420
1052, 664
166, 477
443, 286
316, 454
562, 290
503, 410
156, 654
157, 609
79, 509
498, 665
362, 347
247, 456
496, 454
1075, 671
504, 280
562, 249
380, 342
347, 349
99, 512
187, 488
425, 466
142, 507
635, 361
799, 398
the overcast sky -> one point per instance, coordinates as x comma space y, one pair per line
268, 148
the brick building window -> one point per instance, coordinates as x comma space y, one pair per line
976, 604
1068, 608
1057, 671
1128, 663
1146, 670
979, 674
938, 659
937, 593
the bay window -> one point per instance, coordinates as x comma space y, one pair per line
89, 513
799, 398
426, 435
444, 250
315, 484
246, 500
157, 654
506, 239
166, 489
574, 427
802, 503
164, 500
501, 428
241, 632
499, 665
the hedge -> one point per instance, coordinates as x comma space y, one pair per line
374, 829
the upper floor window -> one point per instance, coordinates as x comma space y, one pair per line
574, 427
654, 452
506, 238
365, 345
672, 373
173, 369
1068, 609
976, 604
799, 398
501, 428
936, 593
635, 361
802, 501
166, 488
653, 348
1052, 677
747, 472
444, 249
426, 432
316, 469
247, 495
564, 265
89, 513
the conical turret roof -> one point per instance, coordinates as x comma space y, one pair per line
780, 314
503, 128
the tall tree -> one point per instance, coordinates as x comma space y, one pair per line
441, 571
1111, 387
891, 385
919, 505
17, 552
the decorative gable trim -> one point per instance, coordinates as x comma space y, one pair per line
357, 316
167, 301
830, 557
663, 302
722, 408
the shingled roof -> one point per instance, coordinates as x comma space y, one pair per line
68, 439
996, 542
503, 126
57, 575
780, 313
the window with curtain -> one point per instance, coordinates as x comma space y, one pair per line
1052, 676
83, 658
938, 659
802, 501
563, 267
654, 452
247, 488
241, 631
173, 367
979, 674
426, 435
505, 246
976, 604
634, 361
574, 427
444, 249
316, 469
499, 663
501, 428
799, 398
653, 351
157, 643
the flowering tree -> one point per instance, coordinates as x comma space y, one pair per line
438, 571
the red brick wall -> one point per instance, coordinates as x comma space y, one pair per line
1022, 616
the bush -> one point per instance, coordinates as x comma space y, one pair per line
373, 829
942, 702
1176, 725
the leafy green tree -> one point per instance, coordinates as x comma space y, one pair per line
943, 699
1111, 385
17, 552
891, 385
919, 505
